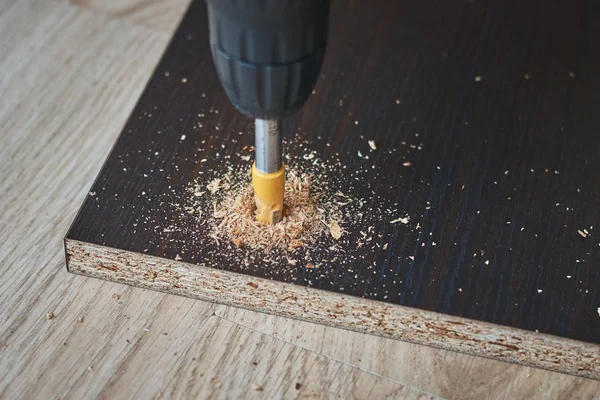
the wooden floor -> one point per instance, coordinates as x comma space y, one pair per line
70, 73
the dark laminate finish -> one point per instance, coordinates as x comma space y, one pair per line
509, 168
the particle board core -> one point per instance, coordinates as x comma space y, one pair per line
459, 184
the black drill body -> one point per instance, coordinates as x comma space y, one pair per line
268, 53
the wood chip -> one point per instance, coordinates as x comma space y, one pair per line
335, 229
403, 220
214, 185
407, 164
372, 145
582, 234
238, 242
50, 316
253, 285
310, 266
257, 388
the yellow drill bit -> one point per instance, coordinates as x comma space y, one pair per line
268, 172
268, 194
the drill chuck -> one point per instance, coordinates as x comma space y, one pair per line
268, 53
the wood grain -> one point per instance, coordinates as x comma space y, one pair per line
159, 16
59, 116
443, 373
270, 368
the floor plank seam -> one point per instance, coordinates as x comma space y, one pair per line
337, 360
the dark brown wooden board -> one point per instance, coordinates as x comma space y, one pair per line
502, 97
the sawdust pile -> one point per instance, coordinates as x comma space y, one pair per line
302, 224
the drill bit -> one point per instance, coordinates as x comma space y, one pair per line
268, 171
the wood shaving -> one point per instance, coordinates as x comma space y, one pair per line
582, 234
335, 229
372, 145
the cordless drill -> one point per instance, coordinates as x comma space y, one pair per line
268, 54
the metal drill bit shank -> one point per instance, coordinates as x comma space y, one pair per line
268, 145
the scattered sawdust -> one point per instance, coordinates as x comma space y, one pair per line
300, 226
